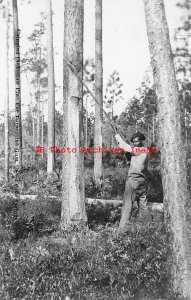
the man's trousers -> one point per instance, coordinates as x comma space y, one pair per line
135, 195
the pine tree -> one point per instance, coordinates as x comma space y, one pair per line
34, 62
18, 128
173, 157
113, 93
73, 194
89, 78
98, 91
51, 90
7, 98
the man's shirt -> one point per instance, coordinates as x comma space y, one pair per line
139, 159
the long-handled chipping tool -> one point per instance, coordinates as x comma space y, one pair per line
73, 69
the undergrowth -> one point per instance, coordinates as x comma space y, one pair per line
38, 261
89, 266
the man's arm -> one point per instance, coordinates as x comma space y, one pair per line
135, 151
123, 144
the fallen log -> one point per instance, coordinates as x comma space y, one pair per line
152, 205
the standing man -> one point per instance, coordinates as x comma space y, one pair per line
136, 183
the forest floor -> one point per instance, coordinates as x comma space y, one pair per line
39, 261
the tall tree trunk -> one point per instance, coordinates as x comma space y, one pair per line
42, 128
38, 118
51, 90
7, 99
38, 102
153, 129
86, 134
33, 120
73, 196
18, 128
98, 91
186, 132
33, 133
185, 118
148, 133
173, 156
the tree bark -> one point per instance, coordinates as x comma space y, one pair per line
86, 133
153, 129
73, 196
148, 140
38, 117
98, 91
18, 128
33, 118
51, 90
42, 128
7, 99
38, 102
173, 156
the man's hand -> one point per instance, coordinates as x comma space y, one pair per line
114, 127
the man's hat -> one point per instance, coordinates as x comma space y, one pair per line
139, 135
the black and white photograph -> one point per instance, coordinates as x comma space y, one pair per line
95, 150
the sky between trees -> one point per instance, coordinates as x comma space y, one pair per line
125, 45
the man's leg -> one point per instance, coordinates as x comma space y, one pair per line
139, 186
127, 207
144, 212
